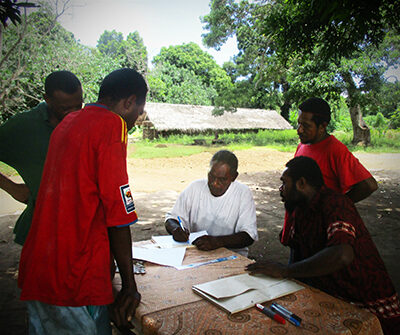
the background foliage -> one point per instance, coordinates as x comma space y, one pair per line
285, 55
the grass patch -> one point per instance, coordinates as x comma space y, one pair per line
381, 141
282, 140
143, 149
387, 141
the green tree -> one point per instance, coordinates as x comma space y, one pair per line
110, 43
339, 27
44, 47
287, 75
177, 85
259, 76
348, 35
187, 69
129, 53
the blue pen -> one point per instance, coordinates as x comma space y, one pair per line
180, 223
287, 311
286, 314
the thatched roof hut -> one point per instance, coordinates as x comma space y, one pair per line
174, 118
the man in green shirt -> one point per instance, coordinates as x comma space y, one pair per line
24, 141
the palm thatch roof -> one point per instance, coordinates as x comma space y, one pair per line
190, 118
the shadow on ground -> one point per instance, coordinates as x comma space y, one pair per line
381, 213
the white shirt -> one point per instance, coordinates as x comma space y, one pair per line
231, 213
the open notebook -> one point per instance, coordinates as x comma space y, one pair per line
237, 293
167, 241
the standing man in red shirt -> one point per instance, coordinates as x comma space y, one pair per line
84, 207
342, 172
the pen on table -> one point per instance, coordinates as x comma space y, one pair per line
291, 317
287, 311
270, 313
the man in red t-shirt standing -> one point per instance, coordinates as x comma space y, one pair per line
85, 207
342, 172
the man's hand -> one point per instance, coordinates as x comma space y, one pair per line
207, 242
180, 235
19, 192
268, 268
122, 311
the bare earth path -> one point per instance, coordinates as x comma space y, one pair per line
157, 182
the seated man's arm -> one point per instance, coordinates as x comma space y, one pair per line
174, 228
362, 190
327, 261
234, 241
19, 192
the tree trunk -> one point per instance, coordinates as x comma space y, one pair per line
361, 131
286, 104
285, 110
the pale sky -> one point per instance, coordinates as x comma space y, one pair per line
161, 23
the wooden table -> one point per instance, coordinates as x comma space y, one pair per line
169, 305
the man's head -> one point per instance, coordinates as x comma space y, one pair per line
314, 117
223, 171
124, 92
300, 180
63, 94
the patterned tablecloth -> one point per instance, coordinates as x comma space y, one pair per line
169, 305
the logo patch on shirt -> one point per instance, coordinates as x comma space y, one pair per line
127, 198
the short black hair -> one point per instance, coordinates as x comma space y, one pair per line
121, 84
64, 81
319, 108
302, 166
226, 157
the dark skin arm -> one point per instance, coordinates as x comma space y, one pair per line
19, 192
327, 261
208, 242
362, 190
123, 309
235, 241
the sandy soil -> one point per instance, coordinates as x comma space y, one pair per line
156, 184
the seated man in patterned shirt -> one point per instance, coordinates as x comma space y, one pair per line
331, 248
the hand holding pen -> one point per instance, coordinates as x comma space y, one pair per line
180, 233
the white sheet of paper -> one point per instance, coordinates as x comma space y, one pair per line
168, 257
167, 241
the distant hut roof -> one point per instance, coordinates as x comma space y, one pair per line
191, 118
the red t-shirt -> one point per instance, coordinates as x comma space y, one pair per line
340, 169
84, 190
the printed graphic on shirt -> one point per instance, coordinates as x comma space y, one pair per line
127, 198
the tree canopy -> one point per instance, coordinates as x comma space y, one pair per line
283, 59
130, 52
338, 27
40, 45
286, 53
186, 72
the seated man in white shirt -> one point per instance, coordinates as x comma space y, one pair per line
220, 205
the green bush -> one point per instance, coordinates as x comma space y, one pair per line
394, 121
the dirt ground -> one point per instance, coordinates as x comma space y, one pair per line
156, 184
